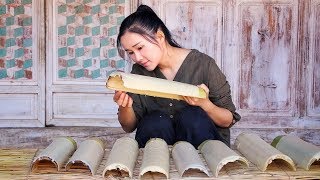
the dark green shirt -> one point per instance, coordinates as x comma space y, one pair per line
197, 68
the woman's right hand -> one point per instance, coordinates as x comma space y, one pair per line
122, 99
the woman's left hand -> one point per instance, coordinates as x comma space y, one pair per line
198, 101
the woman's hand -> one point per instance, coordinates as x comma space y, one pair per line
126, 115
122, 99
198, 101
220, 116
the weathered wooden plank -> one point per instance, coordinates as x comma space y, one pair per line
312, 64
267, 42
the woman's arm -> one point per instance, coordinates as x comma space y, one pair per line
221, 116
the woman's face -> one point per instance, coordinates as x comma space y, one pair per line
141, 51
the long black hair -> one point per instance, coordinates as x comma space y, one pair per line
144, 21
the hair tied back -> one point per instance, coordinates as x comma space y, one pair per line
144, 8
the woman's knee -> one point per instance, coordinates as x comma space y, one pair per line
155, 125
195, 126
194, 117
155, 121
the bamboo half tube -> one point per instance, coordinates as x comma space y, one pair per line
122, 157
155, 157
152, 86
89, 153
259, 152
304, 154
186, 157
58, 152
217, 154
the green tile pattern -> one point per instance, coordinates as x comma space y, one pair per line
87, 35
24, 2
87, 41
71, 19
27, 64
62, 30
70, 41
3, 31
3, 73
10, 21
62, 72
27, 42
104, 63
71, 62
62, 8
10, 63
62, 51
104, 42
16, 43
3, 10
10, 42
18, 32
19, 10
87, 63
95, 74
27, 21
3, 52
96, 31
19, 74
18, 53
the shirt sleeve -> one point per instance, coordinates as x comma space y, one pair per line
220, 93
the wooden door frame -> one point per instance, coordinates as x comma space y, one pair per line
57, 90
31, 93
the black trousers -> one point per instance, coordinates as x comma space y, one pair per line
192, 124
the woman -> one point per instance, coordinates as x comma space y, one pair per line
148, 42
